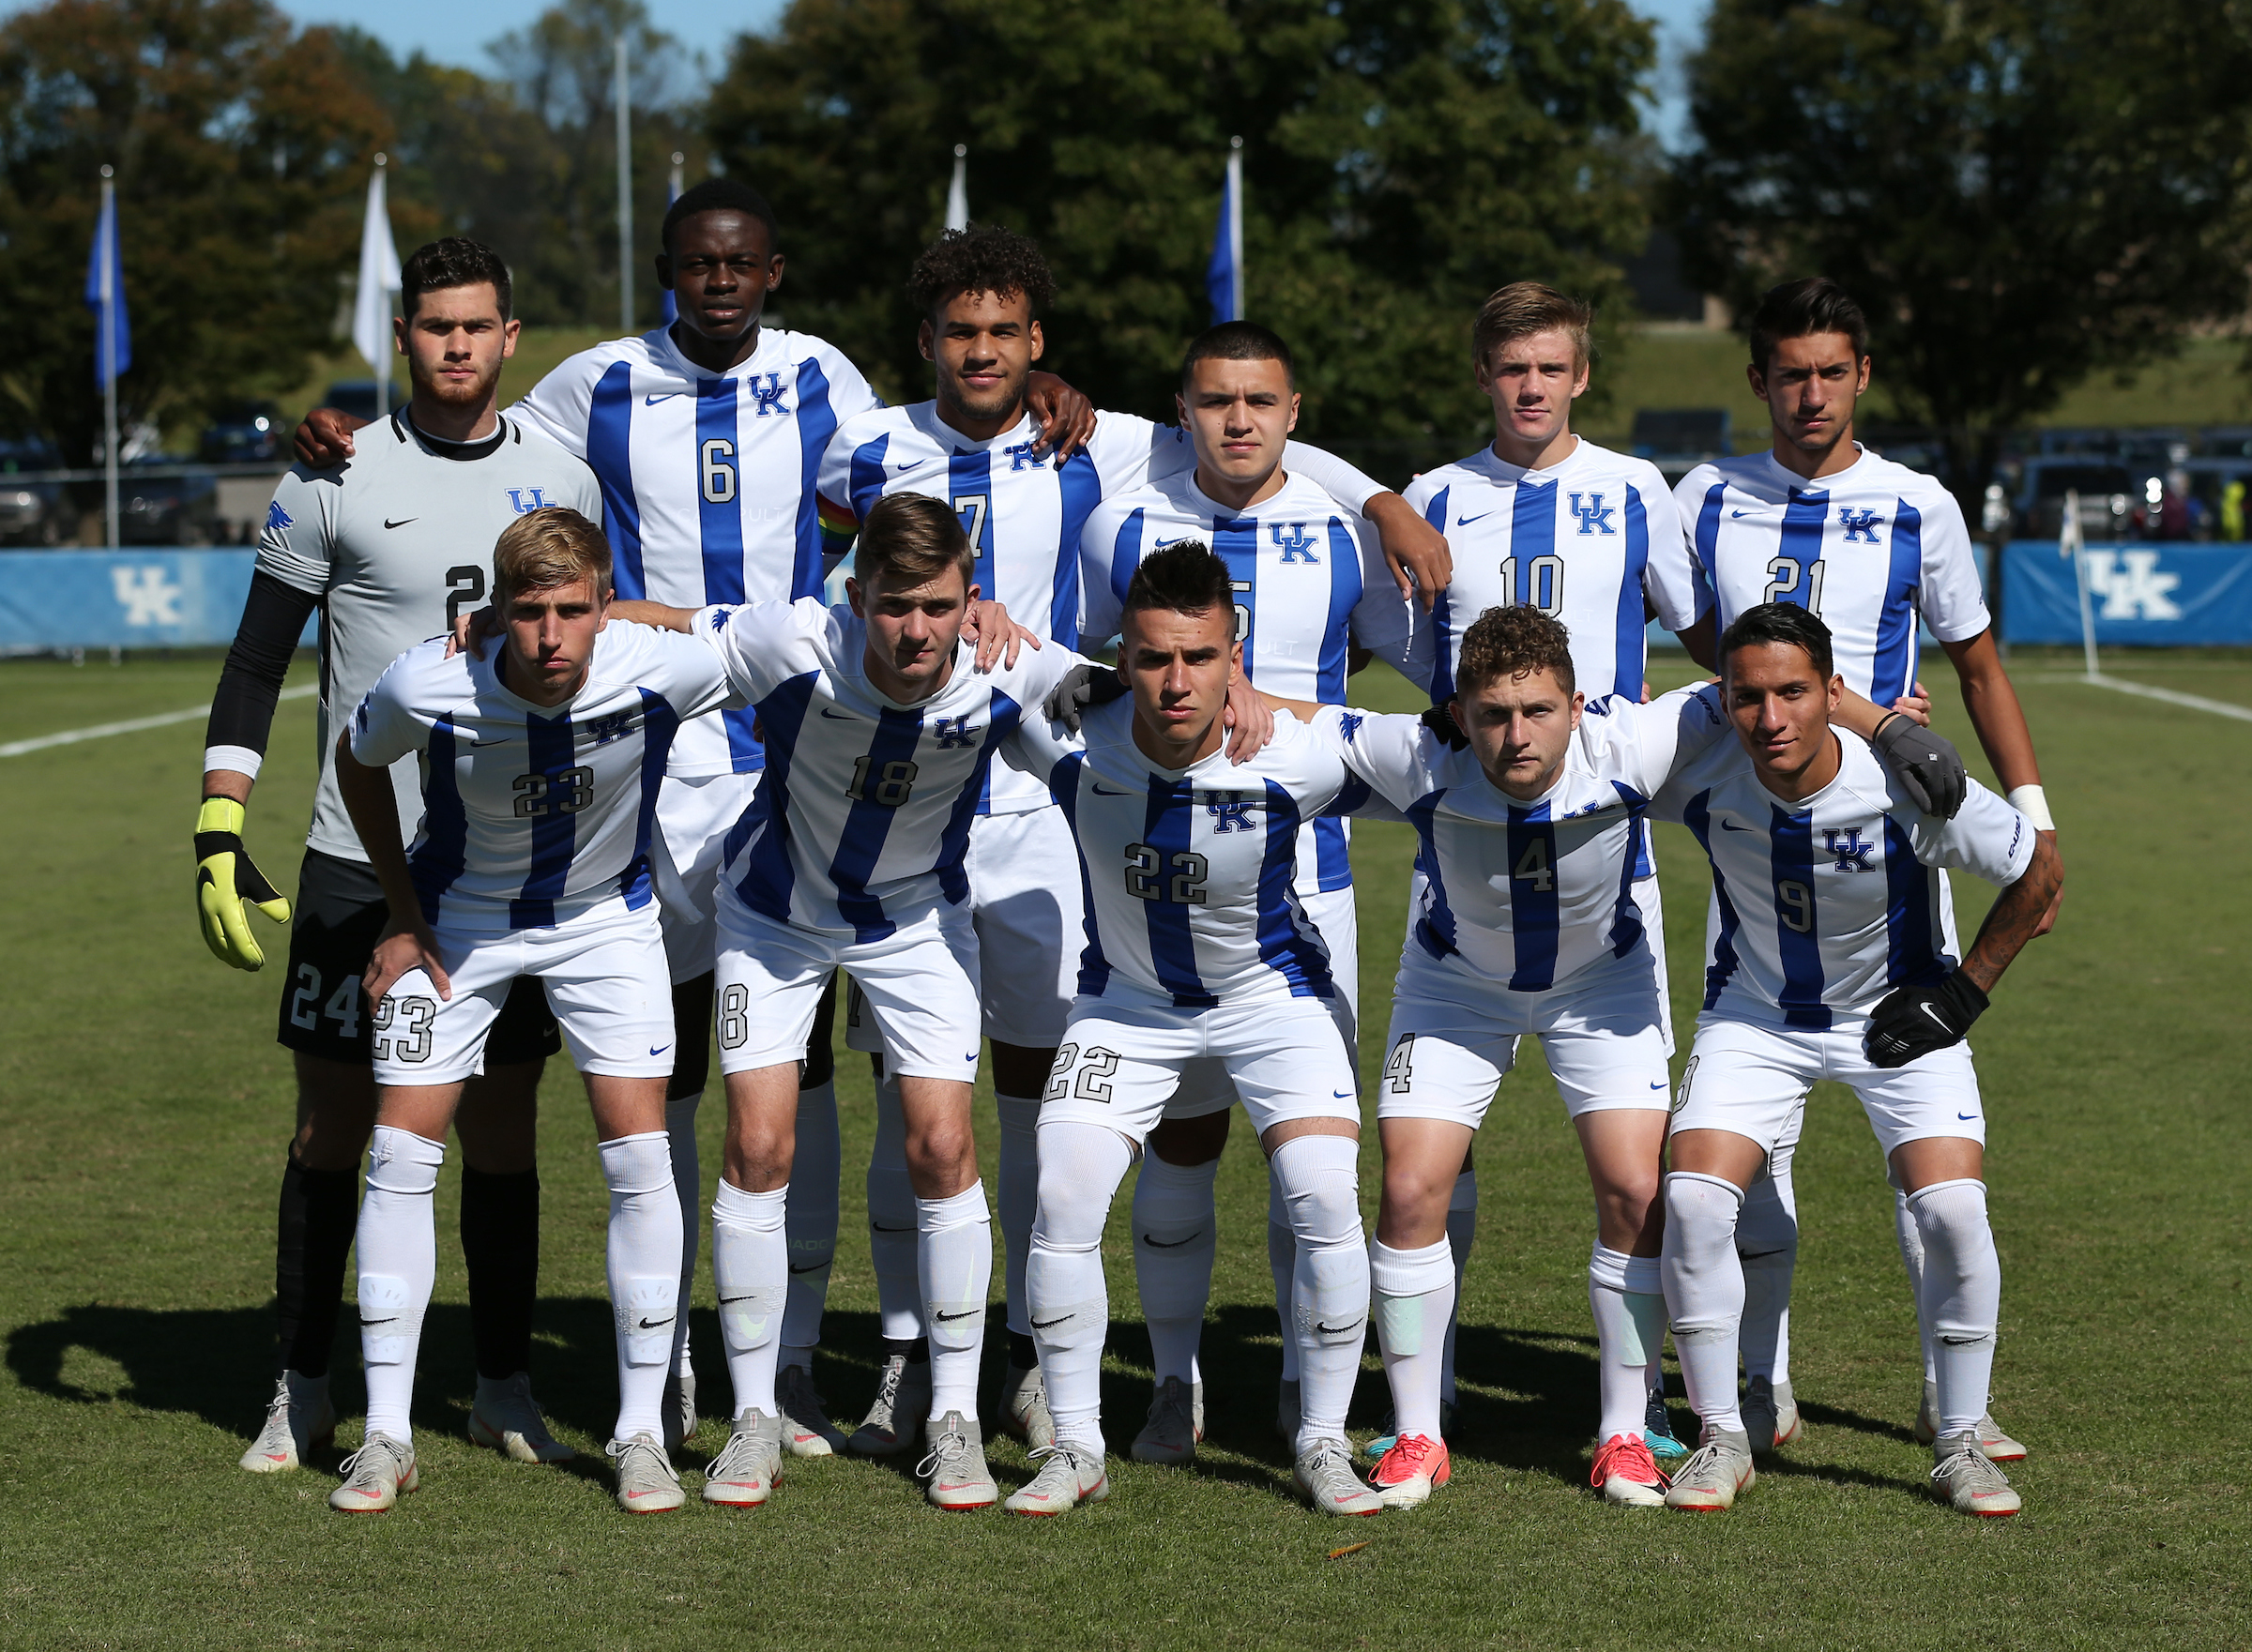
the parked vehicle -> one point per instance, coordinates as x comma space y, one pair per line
244, 433
2108, 494
33, 513
166, 510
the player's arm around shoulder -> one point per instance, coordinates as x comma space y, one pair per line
1647, 744
395, 718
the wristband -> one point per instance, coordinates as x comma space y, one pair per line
2028, 801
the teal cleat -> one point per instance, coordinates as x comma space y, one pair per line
1384, 1442
1657, 1430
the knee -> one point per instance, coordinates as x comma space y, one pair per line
940, 1148
758, 1159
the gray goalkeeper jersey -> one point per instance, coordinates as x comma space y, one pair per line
396, 541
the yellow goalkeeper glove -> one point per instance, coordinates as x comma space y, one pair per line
225, 880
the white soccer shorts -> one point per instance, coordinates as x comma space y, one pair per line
605, 977
920, 983
1653, 932
1122, 1057
1752, 1081
1453, 1039
695, 814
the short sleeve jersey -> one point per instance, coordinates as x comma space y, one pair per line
863, 817
1526, 893
1826, 905
1186, 875
709, 480
534, 814
1871, 550
395, 542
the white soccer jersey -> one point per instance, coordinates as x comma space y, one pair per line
1528, 894
1869, 550
707, 479
1187, 874
1308, 582
1575, 540
535, 814
1825, 907
864, 814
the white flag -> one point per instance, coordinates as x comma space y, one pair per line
378, 280
957, 196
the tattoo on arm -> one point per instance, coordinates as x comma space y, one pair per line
2014, 918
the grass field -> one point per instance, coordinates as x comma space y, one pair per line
146, 1108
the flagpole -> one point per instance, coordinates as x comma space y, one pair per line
957, 194
108, 348
1235, 220
383, 363
619, 96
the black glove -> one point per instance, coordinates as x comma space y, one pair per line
1928, 767
1915, 1021
1440, 722
1084, 687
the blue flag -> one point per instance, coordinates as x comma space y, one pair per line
106, 267
1224, 276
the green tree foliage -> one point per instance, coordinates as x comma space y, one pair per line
2021, 193
241, 147
1402, 159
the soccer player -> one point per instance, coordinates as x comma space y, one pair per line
540, 779
979, 294
1872, 546
881, 729
1197, 949
1835, 957
387, 546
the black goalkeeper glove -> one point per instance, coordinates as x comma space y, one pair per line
1439, 720
226, 880
1928, 767
1915, 1021
1084, 688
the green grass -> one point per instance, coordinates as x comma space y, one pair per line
146, 1108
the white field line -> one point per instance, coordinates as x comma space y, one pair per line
2171, 696
130, 726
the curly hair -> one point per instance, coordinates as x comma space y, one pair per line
984, 258
1511, 642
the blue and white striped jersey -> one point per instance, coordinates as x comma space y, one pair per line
1825, 907
1186, 874
1308, 581
1528, 894
1869, 550
866, 809
707, 479
1575, 540
532, 814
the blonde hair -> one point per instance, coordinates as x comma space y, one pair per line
1523, 308
549, 547
911, 538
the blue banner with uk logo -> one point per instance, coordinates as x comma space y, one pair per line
154, 599
2162, 595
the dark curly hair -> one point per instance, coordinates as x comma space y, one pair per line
984, 258
1511, 642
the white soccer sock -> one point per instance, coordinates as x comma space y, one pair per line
953, 1261
1630, 1326
1766, 1244
688, 1182
1081, 1166
1462, 1232
751, 1270
1962, 1295
1176, 1232
1320, 1181
397, 1245
1413, 1294
1282, 1261
1911, 1254
891, 1239
645, 1290
1704, 1292
1016, 1196
816, 1167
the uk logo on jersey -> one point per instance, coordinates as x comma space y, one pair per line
1230, 811
1859, 524
615, 726
953, 732
1847, 849
527, 500
1296, 544
1022, 456
1594, 516
276, 519
766, 397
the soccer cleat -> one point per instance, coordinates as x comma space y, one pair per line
376, 1476
1967, 1478
1998, 1446
742, 1475
1176, 1425
806, 1431
678, 1408
954, 1466
1024, 1406
646, 1481
298, 1418
1390, 1436
1286, 1409
508, 1418
1411, 1470
903, 1397
1071, 1474
1657, 1430
1715, 1472
1771, 1415
1628, 1473
1324, 1472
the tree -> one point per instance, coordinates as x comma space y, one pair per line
241, 147
2021, 192
1402, 159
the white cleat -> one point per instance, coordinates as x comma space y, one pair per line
1324, 1472
806, 1431
744, 1473
1176, 1425
646, 1482
1709, 1481
954, 1466
902, 1400
508, 1418
1771, 1415
1071, 1474
1967, 1478
298, 1418
375, 1477
1998, 1446
678, 1408
1024, 1406
1627, 1473
1415, 1466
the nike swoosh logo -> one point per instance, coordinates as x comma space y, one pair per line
369, 1324
1171, 1244
1100, 793
1342, 1094
965, 1313
1657, 1084
1733, 514
1938, 1020
1048, 1324
1463, 522
1333, 1331
401, 523
1161, 544
652, 400
729, 1302
655, 1325
1966, 1117
839, 716
1729, 826
660, 1049
878, 1227
909, 466
816, 1267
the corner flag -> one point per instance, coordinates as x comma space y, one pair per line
105, 292
1224, 278
378, 280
